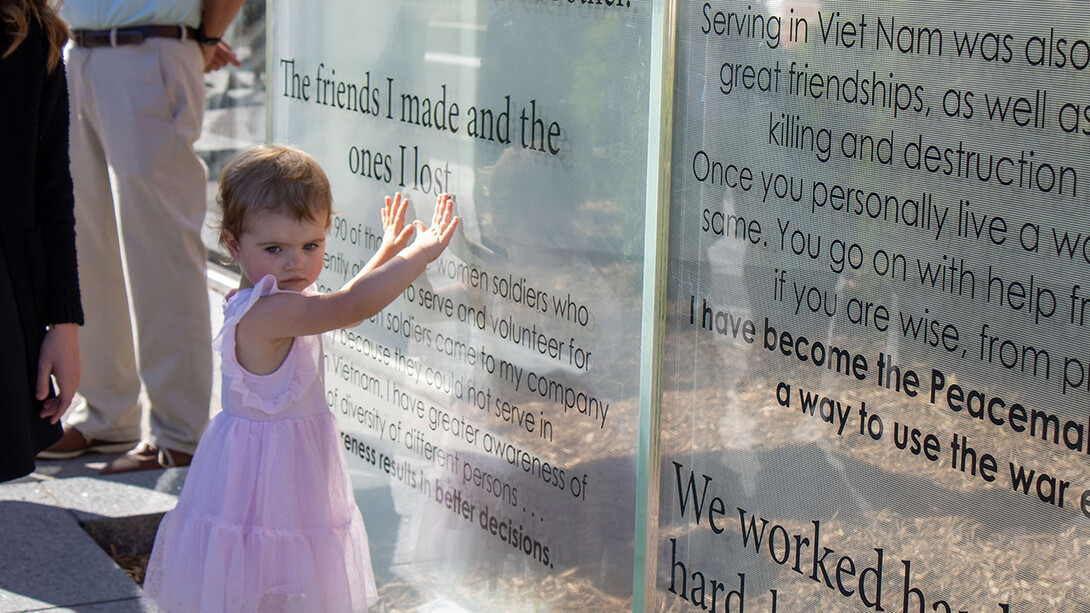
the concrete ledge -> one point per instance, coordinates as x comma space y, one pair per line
131, 605
47, 560
120, 513
56, 533
118, 496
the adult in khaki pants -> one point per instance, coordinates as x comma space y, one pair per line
137, 98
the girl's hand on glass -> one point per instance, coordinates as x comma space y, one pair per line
432, 240
395, 234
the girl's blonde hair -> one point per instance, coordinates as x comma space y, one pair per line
272, 179
17, 15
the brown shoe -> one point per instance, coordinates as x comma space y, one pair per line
146, 456
73, 444
169, 458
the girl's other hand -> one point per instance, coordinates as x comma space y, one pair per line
395, 235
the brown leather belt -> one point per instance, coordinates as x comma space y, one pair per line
130, 36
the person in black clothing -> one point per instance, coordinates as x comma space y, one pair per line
39, 286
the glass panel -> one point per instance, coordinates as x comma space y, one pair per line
876, 366
491, 414
234, 117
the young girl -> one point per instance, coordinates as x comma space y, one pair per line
266, 520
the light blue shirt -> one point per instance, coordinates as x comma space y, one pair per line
106, 14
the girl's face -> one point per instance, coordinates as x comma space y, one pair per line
289, 249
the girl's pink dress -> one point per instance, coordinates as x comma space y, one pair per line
266, 520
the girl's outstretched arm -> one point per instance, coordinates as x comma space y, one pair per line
396, 235
284, 316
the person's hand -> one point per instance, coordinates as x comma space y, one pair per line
60, 360
395, 234
434, 239
219, 55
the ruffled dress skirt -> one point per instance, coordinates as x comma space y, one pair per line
266, 520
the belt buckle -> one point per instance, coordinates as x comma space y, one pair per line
113, 37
